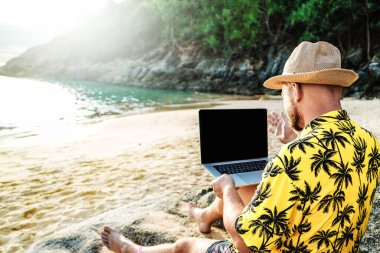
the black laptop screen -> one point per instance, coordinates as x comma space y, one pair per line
233, 134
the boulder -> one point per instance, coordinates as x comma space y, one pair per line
355, 57
371, 239
156, 219
374, 70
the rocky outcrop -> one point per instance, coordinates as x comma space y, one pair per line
190, 68
156, 219
368, 85
152, 222
371, 240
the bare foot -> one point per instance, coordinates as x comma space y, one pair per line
196, 213
116, 242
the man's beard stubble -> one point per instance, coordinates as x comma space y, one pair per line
295, 119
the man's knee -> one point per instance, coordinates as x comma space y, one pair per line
183, 245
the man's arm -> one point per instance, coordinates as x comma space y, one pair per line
224, 187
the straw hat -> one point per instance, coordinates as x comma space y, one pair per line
315, 63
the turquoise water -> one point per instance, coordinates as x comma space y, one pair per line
30, 107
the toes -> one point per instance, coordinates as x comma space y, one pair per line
104, 236
105, 242
107, 229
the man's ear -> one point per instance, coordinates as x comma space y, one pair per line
297, 91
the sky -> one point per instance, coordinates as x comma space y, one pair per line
48, 16
25, 23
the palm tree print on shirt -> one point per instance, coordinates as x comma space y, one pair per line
316, 194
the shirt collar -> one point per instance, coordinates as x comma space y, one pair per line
326, 118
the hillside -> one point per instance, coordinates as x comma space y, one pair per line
227, 48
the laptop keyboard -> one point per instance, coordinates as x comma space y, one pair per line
241, 167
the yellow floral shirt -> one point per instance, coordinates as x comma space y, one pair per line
316, 194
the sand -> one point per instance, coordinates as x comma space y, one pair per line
48, 183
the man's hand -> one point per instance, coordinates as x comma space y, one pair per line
279, 126
221, 183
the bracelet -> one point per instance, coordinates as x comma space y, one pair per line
139, 250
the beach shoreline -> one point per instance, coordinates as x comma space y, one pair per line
50, 183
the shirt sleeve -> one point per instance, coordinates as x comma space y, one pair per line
267, 221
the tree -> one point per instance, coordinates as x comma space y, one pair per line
347, 236
278, 220
344, 216
323, 160
334, 200
323, 237
373, 164
360, 146
342, 176
306, 195
233, 27
363, 195
301, 144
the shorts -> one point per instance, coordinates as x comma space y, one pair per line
221, 247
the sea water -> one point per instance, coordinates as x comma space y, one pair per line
29, 107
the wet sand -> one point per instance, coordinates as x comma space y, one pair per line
48, 183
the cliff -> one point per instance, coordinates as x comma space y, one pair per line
188, 68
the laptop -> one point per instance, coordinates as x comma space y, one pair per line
234, 142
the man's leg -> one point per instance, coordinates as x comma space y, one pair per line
206, 216
116, 242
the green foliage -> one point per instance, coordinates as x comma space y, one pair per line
323, 18
234, 26
219, 24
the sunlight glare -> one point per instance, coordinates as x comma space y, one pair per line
49, 16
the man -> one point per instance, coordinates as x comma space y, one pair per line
204, 217
316, 194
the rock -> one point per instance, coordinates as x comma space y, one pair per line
197, 195
218, 69
153, 220
187, 62
374, 70
376, 91
279, 62
206, 200
182, 68
135, 72
368, 84
245, 66
371, 239
200, 85
141, 74
258, 65
355, 57
155, 55
375, 59
203, 64
275, 63
161, 218
172, 58
262, 76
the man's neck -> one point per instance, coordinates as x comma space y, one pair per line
316, 111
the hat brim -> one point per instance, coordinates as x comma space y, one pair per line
339, 77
